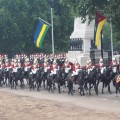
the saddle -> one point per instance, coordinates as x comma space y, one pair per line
118, 79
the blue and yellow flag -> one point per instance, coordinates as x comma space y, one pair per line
40, 33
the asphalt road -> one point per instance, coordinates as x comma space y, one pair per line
104, 102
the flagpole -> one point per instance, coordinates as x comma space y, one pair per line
52, 30
111, 37
101, 46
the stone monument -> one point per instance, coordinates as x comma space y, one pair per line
81, 41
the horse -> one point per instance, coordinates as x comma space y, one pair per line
44, 77
32, 80
116, 83
13, 80
81, 82
1, 77
105, 78
60, 79
70, 81
50, 81
38, 79
20, 77
26, 75
6, 77
91, 80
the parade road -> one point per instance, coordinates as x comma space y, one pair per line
58, 106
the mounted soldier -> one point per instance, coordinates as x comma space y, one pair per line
54, 68
89, 66
15, 67
114, 65
75, 70
67, 67
18, 63
45, 66
7, 65
34, 68
101, 66
26, 67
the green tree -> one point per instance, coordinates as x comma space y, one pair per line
18, 19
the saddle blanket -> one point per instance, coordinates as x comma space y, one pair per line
118, 79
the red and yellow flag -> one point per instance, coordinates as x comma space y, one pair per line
100, 21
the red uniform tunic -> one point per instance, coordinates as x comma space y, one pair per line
75, 67
45, 66
54, 66
101, 65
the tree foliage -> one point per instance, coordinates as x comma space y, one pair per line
18, 19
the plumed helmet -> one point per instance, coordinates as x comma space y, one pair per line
54, 61
6, 60
87, 61
66, 60
15, 60
18, 60
45, 60
26, 60
77, 62
113, 59
90, 61
35, 60
12, 60
101, 60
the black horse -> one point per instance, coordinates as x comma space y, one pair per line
44, 77
91, 80
32, 80
38, 78
116, 83
50, 81
6, 77
20, 77
61, 79
70, 81
1, 77
81, 81
13, 79
105, 78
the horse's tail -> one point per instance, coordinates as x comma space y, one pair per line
114, 80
